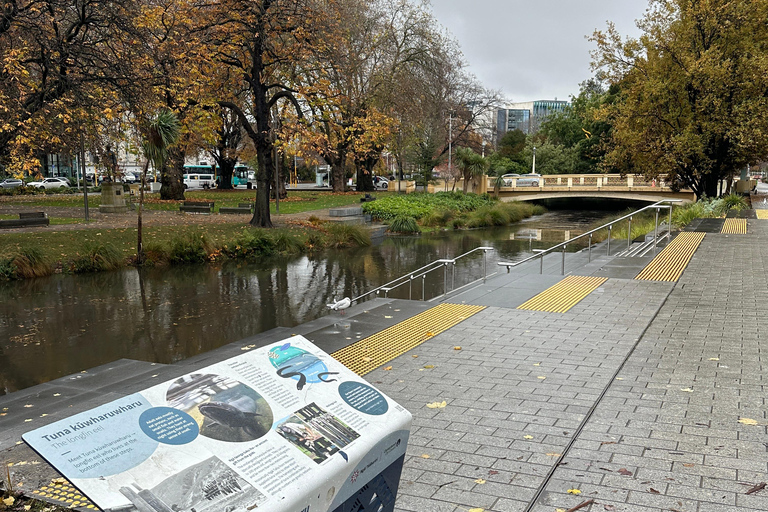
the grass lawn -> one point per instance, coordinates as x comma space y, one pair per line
297, 201
65, 245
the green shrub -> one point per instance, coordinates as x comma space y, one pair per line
404, 224
7, 269
251, 244
437, 217
418, 205
287, 243
189, 248
97, 257
733, 202
156, 254
348, 235
30, 262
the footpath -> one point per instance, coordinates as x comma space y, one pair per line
590, 391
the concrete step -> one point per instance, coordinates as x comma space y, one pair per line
345, 211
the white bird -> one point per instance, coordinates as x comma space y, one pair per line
340, 305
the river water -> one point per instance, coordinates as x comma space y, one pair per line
55, 326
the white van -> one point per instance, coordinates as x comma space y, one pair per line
199, 181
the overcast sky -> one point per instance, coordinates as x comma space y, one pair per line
533, 49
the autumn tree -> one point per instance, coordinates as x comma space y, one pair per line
692, 91
58, 73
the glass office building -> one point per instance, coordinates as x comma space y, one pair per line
527, 116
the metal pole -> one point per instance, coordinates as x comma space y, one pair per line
453, 275
450, 144
669, 225
445, 279
85, 177
423, 287
485, 264
629, 234
562, 266
610, 228
541, 267
589, 257
656, 230
410, 287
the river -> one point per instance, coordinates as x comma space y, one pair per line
63, 324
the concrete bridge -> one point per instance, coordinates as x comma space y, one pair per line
613, 186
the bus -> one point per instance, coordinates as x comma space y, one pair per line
243, 175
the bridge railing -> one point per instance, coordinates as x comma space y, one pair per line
666, 204
571, 181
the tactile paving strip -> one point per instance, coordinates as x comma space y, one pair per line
564, 295
761, 214
671, 262
735, 227
60, 492
368, 354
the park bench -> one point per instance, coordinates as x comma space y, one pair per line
196, 207
26, 220
241, 208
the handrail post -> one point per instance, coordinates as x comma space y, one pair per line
669, 224
445, 279
453, 276
485, 264
541, 260
410, 287
629, 233
423, 286
589, 257
610, 228
562, 265
656, 230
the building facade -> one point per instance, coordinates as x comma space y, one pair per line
527, 116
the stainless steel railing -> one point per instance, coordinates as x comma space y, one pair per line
421, 273
658, 206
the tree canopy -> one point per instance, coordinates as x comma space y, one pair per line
692, 93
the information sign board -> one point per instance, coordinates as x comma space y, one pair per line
282, 428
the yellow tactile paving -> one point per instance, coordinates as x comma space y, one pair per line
368, 354
735, 227
61, 492
564, 295
761, 214
670, 263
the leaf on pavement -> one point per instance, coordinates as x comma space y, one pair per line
574, 491
429, 366
425, 456
388, 368
457, 348
527, 437
687, 390
747, 421
479, 481
437, 405
625, 472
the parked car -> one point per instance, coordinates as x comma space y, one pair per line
11, 183
382, 183
50, 183
524, 180
199, 181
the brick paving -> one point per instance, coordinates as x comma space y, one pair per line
664, 431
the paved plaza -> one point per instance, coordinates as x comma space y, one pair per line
645, 396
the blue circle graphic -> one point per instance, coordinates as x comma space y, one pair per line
168, 425
363, 398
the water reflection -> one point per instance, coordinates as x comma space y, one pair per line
60, 325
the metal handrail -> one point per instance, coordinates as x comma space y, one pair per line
426, 269
664, 204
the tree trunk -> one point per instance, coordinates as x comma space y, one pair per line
226, 168
172, 175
